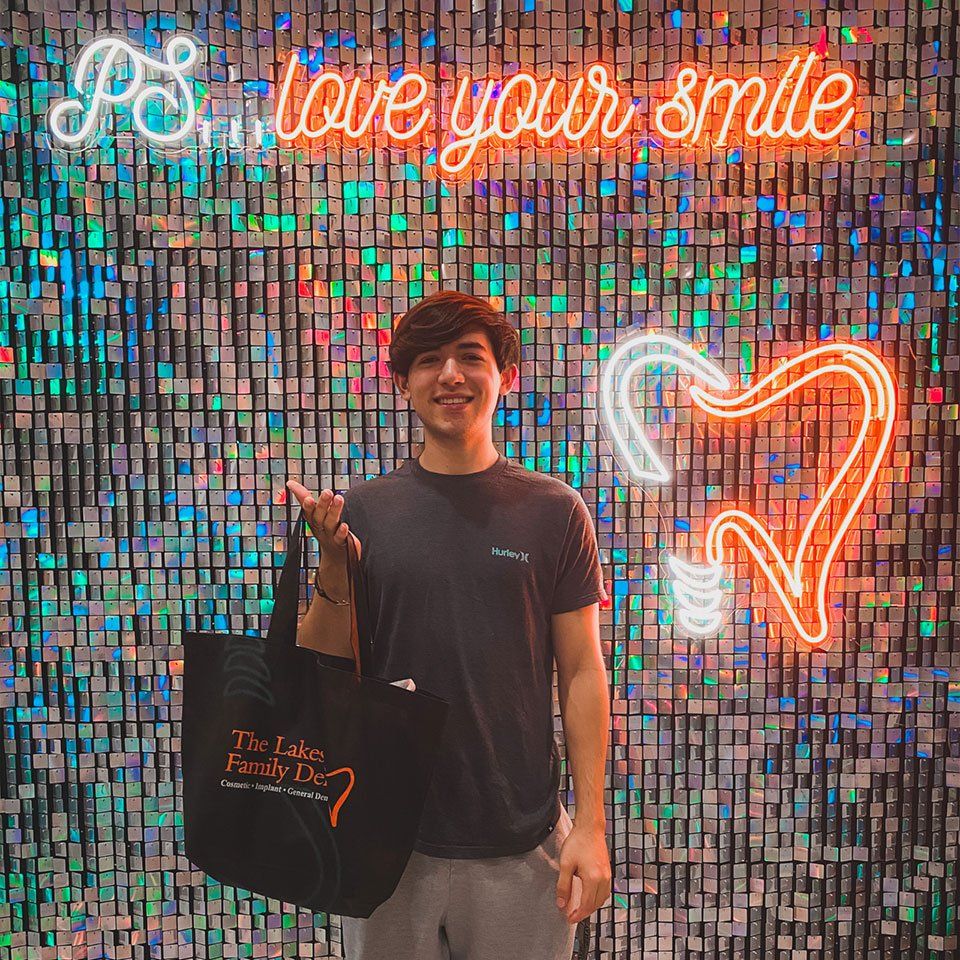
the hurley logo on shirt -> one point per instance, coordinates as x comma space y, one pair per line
511, 554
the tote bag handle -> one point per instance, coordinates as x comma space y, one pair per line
285, 616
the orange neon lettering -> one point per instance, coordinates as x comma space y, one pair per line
526, 104
681, 103
587, 111
469, 137
363, 126
737, 91
779, 92
787, 128
323, 110
818, 105
548, 103
394, 105
280, 123
350, 109
527, 113
706, 108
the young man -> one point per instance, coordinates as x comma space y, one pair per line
479, 574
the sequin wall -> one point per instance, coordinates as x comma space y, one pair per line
179, 334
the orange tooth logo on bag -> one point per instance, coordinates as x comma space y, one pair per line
283, 766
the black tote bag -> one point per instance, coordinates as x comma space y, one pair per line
302, 781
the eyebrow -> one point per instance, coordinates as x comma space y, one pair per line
469, 345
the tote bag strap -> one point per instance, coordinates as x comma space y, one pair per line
285, 616
353, 568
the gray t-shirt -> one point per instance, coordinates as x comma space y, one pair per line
463, 572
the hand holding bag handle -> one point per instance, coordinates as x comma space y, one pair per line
285, 616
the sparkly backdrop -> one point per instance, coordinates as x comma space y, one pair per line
179, 334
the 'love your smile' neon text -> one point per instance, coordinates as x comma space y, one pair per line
779, 110
518, 110
585, 111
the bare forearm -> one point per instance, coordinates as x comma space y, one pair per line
585, 709
325, 627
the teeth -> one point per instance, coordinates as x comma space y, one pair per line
452, 402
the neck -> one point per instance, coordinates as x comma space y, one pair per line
441, 457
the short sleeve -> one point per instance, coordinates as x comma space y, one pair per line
352, 512
353, 517
579, 574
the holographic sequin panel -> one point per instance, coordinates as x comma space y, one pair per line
183, 331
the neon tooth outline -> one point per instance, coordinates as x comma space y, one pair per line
696, 586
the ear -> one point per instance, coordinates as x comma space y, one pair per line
400, 382
508, 379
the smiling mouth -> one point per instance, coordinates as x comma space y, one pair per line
459, 402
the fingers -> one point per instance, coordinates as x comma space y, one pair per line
298, 490
593, 896
584, 880
588, 903
330, 507
326, 518
564, 883
322, 513
306, 501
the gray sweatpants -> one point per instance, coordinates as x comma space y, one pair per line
502, 908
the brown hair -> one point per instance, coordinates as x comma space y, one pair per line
445, 316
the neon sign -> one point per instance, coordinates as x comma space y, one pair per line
518, 110
799, 573
806, 116
103, 65
582, 112
334, 106
587, 111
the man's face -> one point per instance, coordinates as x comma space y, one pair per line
462, 370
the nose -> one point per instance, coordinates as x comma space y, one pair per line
450, 372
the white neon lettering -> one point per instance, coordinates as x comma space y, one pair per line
180, 53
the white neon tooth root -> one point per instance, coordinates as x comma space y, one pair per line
698, 595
